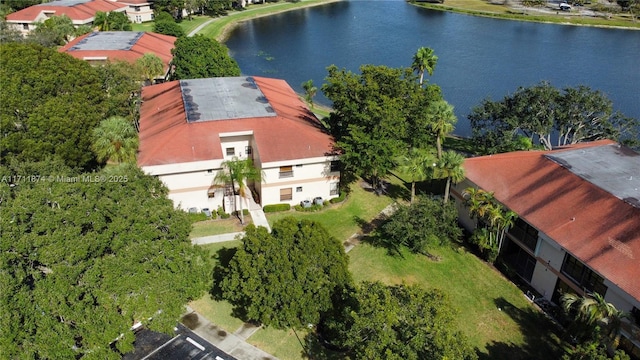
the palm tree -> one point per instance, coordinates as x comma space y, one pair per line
310, 91
150, 66
419, 165
479, 201
592, 309
449, 167
424, 60
116, 140
101, 21
443, 121
238, 172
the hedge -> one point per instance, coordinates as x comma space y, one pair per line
276, 208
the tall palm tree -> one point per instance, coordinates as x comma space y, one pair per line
443, 121
115, 140
479, 201
424, 60
237, 172
309, 91
449, 167
419, 165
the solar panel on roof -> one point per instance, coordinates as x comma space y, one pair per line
223, 99
108, 40
64, 3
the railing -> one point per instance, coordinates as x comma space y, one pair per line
286, 174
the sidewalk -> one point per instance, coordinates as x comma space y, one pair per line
232, 344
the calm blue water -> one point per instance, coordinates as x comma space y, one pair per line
478, 57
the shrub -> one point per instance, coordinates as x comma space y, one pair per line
168, 28
276, 207
222, 214
340, 198
308, 209
195, 217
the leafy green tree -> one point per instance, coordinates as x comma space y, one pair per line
150, 66
398, 322
309, 91
49, 104
420, 226
17, 5
121, 83
173, 7
378, 115
170, 28
8, 33
443, 121
56, 30
84, 257
112, 21
424, 60
418, 165
201, 57
238, 172
115, 140
286, 278
449, 167
575, 114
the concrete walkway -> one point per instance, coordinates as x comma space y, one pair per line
217, 238
232, 344
201, 26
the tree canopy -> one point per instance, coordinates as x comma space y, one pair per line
398, 322
378, 115
150, 66
84, 257
115, 139
49, 104
420, 226
574, 114
168, 27
112, 21
285, 278
201, 57
56, 30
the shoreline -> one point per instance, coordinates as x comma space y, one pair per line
227, 28
527, 14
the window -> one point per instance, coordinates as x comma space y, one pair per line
138, 18
525, 233
248, 151
25, 26
137, 8
582, 275
334, 189
286, 171
211, 193
231, 151
299, 189
153, 16
285, 194
335, 166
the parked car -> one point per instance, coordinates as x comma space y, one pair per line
565, 7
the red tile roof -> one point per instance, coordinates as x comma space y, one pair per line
78, 13
167, 138
149, 42
590, 223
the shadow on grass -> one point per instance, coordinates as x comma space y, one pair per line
220, 270
541, 336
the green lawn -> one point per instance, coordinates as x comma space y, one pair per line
186, 25
493, 312
216, 227
344, 219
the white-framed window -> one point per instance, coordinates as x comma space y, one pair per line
231, 151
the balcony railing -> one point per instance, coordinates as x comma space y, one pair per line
286, 174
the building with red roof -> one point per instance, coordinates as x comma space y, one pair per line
81, 12
189, 127
579, 221
102, 46
139, 11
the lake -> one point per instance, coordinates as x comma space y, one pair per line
478, 57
